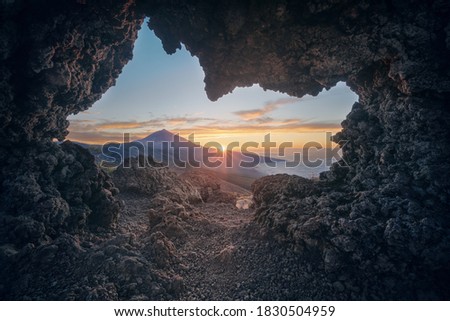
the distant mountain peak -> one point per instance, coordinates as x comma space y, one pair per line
162, 135
163, 131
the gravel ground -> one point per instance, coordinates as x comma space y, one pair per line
225, 255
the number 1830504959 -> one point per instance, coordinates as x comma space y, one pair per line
300, 311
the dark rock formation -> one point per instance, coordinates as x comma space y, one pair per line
170, 200
384, 219
58, 59
73, 268
208, 184
143, 175
53, 189
55, 59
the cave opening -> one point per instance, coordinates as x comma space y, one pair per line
158, 95
378, 229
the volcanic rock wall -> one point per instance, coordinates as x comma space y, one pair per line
56, 58
382, 223
383, 219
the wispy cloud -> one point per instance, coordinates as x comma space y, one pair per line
115, 125
96, 137
101, 131
279, 126
160, 122
176, 121
267, 108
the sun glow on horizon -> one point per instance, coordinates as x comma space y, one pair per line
143, 102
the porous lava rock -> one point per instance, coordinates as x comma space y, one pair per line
383, 219
143, 175
209, 187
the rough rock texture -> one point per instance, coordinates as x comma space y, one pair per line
56, 58
171, 199
54, 189
143, 175
98, 267
384, 219
208, 184
133, 261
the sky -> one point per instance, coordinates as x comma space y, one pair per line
158, 91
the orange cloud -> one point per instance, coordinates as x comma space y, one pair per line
97, 132
267, 108
275, 127
92, 125
128, 125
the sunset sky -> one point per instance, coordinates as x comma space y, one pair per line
157, 91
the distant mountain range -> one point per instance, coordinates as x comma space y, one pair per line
158, 145
157, 138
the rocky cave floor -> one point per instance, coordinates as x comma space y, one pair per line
220, 253
181, 236
178, 237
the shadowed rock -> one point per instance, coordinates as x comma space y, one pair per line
143, 175
383, 220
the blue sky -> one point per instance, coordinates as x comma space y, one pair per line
157, 91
